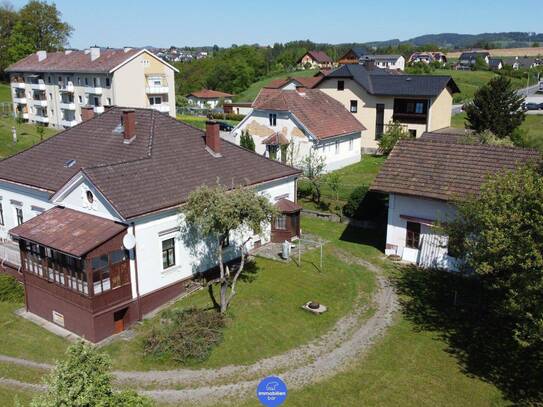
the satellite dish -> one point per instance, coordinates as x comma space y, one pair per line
129, 241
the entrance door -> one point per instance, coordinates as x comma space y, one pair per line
379, 120
118, 319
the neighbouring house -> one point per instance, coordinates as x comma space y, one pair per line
428, 57
423, 178
495, 64
50, 88
75, 204
287, 125
243, 108
292, 83
385, 61
377, 96
353, 56
468, 59
315, 60
209, 99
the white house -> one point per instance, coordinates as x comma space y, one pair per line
385, 61
422, 179
287, 125
207, 98
74, 202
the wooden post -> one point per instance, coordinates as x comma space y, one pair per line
321, 254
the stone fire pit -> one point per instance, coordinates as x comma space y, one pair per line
314, 307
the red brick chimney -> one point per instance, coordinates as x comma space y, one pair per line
300, 89
212, 137
129, 125
87, 112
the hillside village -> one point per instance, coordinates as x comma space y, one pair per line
335, 225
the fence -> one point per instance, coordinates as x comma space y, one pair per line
6, 109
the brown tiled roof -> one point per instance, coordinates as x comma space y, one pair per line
166, 161
69, 231
444, 170
210, 94
74, 61
276, 139
446, 135
321, 114
287, 206
319, 56
307, 82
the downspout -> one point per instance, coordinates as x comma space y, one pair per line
138, 298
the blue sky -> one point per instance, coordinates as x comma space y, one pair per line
117, 23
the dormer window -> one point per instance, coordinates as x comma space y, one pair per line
90, 197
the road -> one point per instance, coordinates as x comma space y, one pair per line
530, 93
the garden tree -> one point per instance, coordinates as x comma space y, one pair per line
39, 27
480, 64
217, 212
497, 107
499, 235
246, 141
83, 379
395, 131
487, 137
333, 180
313, 166
40, 129
8, 18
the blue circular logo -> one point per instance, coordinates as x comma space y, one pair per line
272, 391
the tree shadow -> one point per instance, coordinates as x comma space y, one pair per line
464, 314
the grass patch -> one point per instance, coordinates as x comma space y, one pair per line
21, 373
533, 125
12, 397
27, 136
250, 93
5, 93
470, 81
11, 290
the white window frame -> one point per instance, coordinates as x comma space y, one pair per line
351, 144
337, 147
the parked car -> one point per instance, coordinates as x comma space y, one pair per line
223, 126
533, 106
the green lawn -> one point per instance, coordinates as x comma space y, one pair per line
533, 125
250, 94
5, 93
470, 81
26, 134
266, 316
200, 121
352, 176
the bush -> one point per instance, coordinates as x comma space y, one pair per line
11, 290
351, 208
305, 190
389, 139
185, 335
227, 116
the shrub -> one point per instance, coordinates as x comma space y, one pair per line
304, 189
10, 289
246, 141
185, 335
389, 139
350, 209
226, 116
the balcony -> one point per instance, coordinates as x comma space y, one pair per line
20, 100
99, 109
68, 123
41, 119
93, 90
415, 118
18, 85
156, 90
67, 105
66, 87
40, 85
164, 107
40, 102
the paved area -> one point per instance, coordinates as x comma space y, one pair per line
298, 247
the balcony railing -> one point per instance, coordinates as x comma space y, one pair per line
41, 119
68, 123
66, 87
40, 102
99, 109
18, 85
419, 118
163, 107
39, 85
67, 105
93, 90
20, 100
156, 90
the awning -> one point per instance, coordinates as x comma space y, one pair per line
287, 206
68, 231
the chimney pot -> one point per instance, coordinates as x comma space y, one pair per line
41, 55
212, 137
87, 113
129, 125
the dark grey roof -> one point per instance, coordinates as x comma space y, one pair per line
385, 57
472, 55
359, 51
377, 81
495, 62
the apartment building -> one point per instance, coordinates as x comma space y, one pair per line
51, 88
378, 97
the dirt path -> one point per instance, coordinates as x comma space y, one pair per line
333, 352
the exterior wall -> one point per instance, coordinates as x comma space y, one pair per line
204, 103
314, 64
192, 254
398, 64
422, 208
257, 123
31, 200
440, 111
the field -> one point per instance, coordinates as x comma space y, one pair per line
27, 136
470, 81
250, 94
506, 52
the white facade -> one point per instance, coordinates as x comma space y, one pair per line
207, 103
338, 152
191, 255
385, 61
428, 213
55, 98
